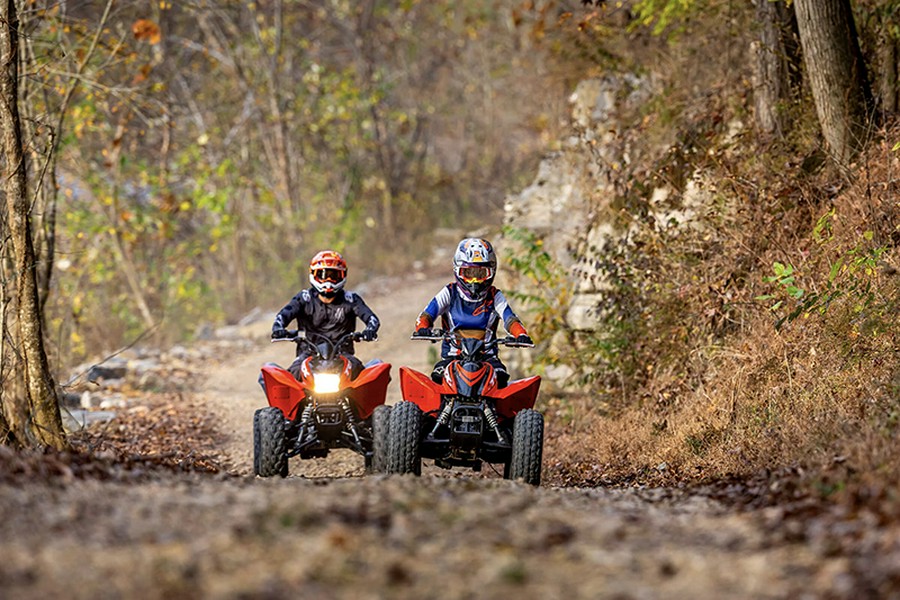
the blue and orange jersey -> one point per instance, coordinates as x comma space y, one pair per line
457, 312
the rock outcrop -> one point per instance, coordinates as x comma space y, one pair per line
573, 204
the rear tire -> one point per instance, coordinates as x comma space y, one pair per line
405, 429
269, 456
381, 426
527, 447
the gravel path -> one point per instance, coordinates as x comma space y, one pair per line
398, 537
328, 532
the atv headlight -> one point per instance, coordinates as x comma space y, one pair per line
327, 383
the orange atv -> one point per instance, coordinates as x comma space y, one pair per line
325, 409
466, 419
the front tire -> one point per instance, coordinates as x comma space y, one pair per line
381, 426
527, 447
405, 429
269, 456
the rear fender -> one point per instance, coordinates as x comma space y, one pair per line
369, 390
282, 390
419, 389
516, 396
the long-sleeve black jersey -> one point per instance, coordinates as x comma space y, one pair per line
333, 320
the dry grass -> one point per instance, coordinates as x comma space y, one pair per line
821, 393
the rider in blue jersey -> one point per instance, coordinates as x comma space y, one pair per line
472, 305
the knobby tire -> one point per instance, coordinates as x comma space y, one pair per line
269, 456
527, 447
404, 435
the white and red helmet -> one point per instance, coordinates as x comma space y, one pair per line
327, 272
475, 266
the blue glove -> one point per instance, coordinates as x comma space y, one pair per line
368, 335
280, 334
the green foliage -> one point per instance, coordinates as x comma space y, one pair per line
197, 179
784, 277
852, 276
661, 14
545, 278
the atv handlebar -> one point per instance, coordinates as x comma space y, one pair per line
296, 336
302, 337
439, 335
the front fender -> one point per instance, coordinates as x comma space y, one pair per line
282, 390
516, 396
369, 390
419, 389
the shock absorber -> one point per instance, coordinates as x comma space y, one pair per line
307, 411
444, 417
305, 422
351, 421
491, 419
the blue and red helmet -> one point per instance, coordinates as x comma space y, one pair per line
475, 266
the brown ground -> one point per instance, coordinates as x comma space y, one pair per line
329, 532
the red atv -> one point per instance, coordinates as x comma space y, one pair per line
326, 409
466, 419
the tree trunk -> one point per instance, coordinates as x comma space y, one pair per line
837, 74
6, 435
39, 402
888, 74
776, 57
281, 154
11, 413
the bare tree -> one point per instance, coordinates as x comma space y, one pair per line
30, 405
776, 58
888, 44
836, 72
43, 129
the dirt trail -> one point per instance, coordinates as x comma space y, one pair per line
493, 538
328, 532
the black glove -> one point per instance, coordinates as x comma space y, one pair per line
280, 334
524, 339
368, 335
422, 332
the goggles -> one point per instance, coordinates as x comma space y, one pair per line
332, 275
475, 274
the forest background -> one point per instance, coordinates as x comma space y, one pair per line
207, 149
185, 159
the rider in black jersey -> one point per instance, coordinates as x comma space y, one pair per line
327, 309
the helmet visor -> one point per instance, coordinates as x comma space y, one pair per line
475, 274
332, 275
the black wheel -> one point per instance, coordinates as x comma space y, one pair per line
527, 447
269, 457
381, 425
403, 439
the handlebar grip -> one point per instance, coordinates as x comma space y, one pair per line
290, 337
427, 338
511, 342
